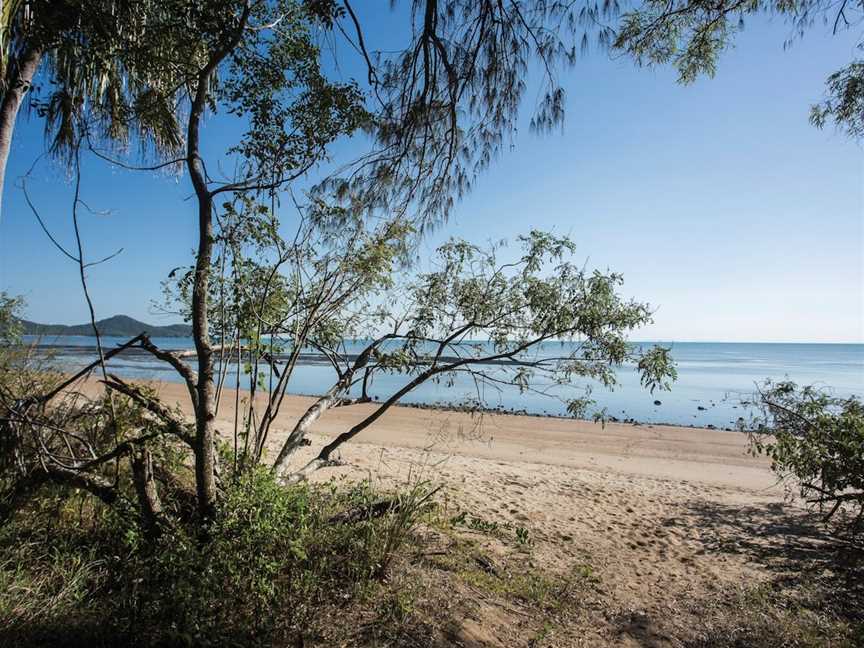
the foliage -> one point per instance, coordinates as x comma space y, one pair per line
93, 79
523, 311
51, 435
10, 324
691, 35
816, 439
812, 613
845, 102
7, 22
539, 323
53, 561
273, 564
438, 112
446, 95
116, 74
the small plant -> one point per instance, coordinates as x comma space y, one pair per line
483, 526
459, 519
543, 633
523, 537
397, 607
476, 523
531, 587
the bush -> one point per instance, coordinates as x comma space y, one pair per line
817, 440
274, 564
10, 322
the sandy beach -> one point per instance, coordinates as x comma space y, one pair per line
665, 514
681, 454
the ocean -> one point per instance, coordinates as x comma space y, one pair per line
713, 378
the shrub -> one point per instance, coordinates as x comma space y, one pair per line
816, 440
10, 324
274, 563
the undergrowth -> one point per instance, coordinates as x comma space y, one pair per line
75, 573
287, 567
769, 616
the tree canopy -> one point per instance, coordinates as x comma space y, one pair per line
692, 34
260, 292
815, 440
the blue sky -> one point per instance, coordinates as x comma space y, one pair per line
718, 201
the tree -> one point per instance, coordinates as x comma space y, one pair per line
549, 326
691, 35
115, 68
515, 309
817, 440
268, 74
262, 53
437, 112
447, 102
85, 67
275, 301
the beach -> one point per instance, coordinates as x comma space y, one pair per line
665, 515
682, 454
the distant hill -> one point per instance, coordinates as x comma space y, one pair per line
117, 326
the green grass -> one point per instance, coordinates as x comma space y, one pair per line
278, 569
274, 561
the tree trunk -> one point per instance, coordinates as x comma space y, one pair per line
323, 458
328, 400
294, 440
148, 497
205, 408
19, 83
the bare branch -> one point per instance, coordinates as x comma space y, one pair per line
175, 426
181, 367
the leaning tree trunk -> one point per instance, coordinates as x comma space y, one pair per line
18, 83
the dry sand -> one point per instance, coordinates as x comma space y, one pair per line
680, 454
662, 513
687, 456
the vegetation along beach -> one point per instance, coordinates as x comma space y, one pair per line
431, 323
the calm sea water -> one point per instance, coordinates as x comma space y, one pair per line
713, 376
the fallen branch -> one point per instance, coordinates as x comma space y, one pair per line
44, 398
152, 405
185, 371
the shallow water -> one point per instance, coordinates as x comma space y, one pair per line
714, 376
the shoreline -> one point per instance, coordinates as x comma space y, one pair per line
457, 408
499, 411
671, 453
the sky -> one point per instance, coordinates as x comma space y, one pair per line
718, 201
